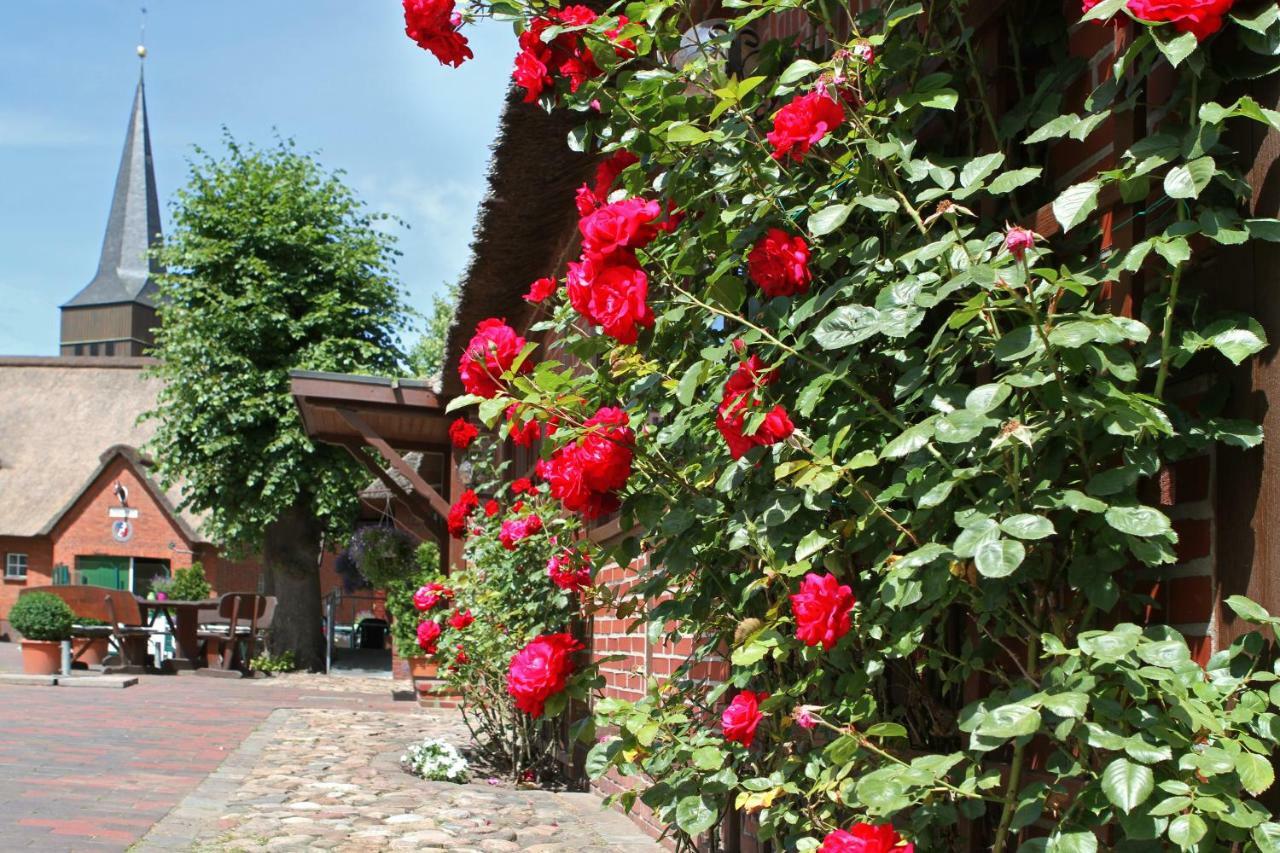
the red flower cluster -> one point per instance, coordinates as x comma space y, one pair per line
586, 476
802, 123
490, 354
1201, 17
540, 290
566, 54
822, 610
461, 619
607, 285
570, 570
779, 264
460, 512
433, 24
522, 434
540, 670
740, 719
523, 485
516, 530
738, 402
491, 508
866, 838
431, 596
461, 433
1017, 240
428, 634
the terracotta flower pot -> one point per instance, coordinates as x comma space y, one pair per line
94, 650
41, 657
423, 667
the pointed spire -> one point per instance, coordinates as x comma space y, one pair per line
125, 269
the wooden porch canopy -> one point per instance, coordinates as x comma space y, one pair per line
390, 416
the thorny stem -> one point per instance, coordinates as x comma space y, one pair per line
1015, 771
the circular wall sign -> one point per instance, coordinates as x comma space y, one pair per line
121, 530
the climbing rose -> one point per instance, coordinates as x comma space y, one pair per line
428, 634
738, 401
490, 354
740, 719
433, 24
460, 511
803, 717
540, 670
822, 610
586, 476
866, 838
462, 433
491, 508
515, 530
566, 54
1201, 17
608, 171
570, 570
541, 289
865, 51
461, 657
521, 485
803, 122
779, 264
624, 224
612, 294
1017, 240
522, 434
461, 619
430, 596
531, 74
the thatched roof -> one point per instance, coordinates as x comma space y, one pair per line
64, 419
522, 223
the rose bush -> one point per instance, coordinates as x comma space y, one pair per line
901, 479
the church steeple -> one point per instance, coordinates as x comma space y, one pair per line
115, 313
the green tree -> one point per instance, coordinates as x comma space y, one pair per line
273, 265
426, 357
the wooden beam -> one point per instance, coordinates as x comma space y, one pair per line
395, 460
417, 504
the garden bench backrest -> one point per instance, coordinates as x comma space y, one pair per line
87, 602
124, 608
242, 609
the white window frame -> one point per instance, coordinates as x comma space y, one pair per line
15, 566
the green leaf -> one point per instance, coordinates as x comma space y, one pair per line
1267, 837
886, 730
1255, 772
1018, 344
911, 440
978, 168
1059, 126
961, 426
1127, 784
985, 398
1067, 704
999, 558
1075, 204
813, 542
600, 756
1238, 344
1250, 610
1008, 721
695, 815
708, 758
828, 219
797, 70
1104, 11
1189, 180
1175, 48
1072, 842
1010, 181
878, 203
1187, 830
1138, 520
689, 384
846, 326
1027, 526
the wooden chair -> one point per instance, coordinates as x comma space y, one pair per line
116, 607
244, 612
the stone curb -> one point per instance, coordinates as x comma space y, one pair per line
200, 810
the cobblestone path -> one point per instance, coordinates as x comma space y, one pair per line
311, 779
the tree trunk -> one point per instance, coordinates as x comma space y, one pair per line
291, 558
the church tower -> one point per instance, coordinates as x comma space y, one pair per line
115, 312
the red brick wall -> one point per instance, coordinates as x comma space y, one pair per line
39, 571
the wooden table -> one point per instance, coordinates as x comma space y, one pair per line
184, 620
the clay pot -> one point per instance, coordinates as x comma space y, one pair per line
423, 668
95, 651
41, 657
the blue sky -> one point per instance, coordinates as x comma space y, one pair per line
338, 76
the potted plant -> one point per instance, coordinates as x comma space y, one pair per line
90, 651
405, 617
189, 584
44, 621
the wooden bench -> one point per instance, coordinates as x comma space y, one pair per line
242, 617
118, 608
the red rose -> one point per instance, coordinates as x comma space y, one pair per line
523, 434
1201, 17
428, 634
540, 670
1018, 240
459, 512
779, 264
461, 658
608, 171
740, 719
612, 294
430, 596
570, 570
605, 450
462, 433
434, 26
488, 356
822, 610
740, 398
461, 619
515, 530
521, 485
618, 226
865, 838
491, 508
541, 289
531, 74
803, 122
566, 54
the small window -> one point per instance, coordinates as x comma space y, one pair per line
79, 349
15, 566
109, 348
93, 349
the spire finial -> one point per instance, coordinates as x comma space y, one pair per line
142, 36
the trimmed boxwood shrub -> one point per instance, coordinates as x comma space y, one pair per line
41, 616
